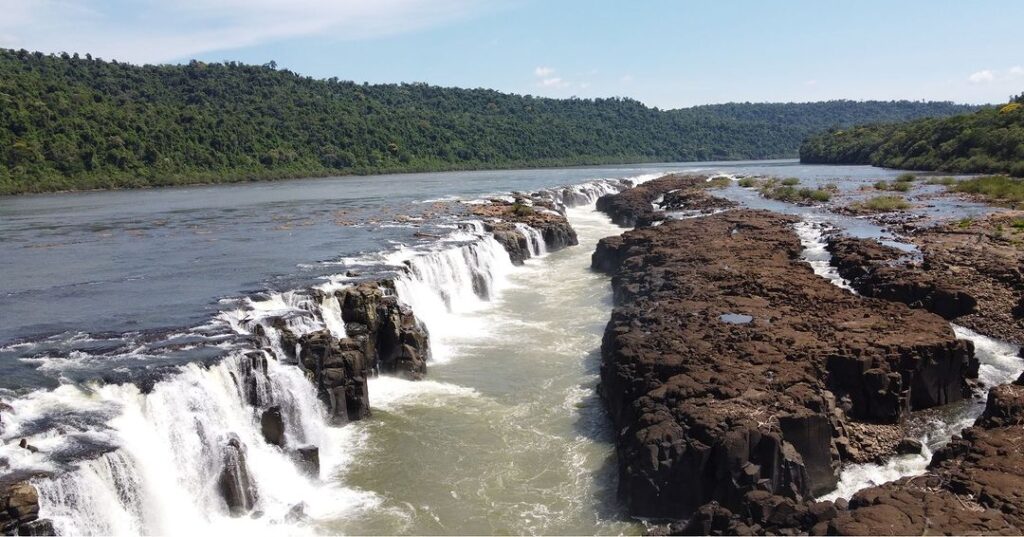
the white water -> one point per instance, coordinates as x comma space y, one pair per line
999, 364
167, 446
534, 240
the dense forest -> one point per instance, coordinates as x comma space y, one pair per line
990, 140
70, 122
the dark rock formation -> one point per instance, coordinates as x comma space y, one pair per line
307, 458
874, 270
234, 484
753, 416
971, 271
540, 214
634, 207
974, 485
383, 335
272, 426
19, 510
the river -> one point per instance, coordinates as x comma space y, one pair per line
126, 316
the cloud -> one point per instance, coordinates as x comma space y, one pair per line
1016, 71
143, 31
982, 76
554, 82
543, 71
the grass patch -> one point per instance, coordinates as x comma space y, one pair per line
790, 181
992, 187
906, 178
520, 209
797, 195
895, 187
1017, 224
718, 182
964, 223
945, 181
883, 204
747, 182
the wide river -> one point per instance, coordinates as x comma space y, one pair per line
117, 350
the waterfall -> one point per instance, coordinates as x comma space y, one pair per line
444, 285
534, 240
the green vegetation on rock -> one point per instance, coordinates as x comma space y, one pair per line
993, 188
882, 204
70, 123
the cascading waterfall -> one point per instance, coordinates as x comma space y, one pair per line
168, 446
534, 240
174, 442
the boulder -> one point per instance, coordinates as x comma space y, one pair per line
234, 483
272, 426
307, 458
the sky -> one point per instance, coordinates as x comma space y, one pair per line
669, 54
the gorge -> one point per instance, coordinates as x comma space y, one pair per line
450, 383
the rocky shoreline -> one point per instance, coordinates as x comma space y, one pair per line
739, 381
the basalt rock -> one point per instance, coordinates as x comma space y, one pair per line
272, 426
634, 207
875, 270
970, 271
539, 214
752, 412
19, 510
338, 369
235, 484
974, 485
307, 458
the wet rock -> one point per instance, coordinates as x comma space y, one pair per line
973, 486
297, 513
753, 416
19, 510
634, 207
307, 458
272, 426
909, 446
235, 484
23, 444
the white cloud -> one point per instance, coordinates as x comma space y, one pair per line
157, 31
979, 77
554, 82
1016, 71
544, 71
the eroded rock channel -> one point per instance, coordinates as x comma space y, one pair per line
736, 427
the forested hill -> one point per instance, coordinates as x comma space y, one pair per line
70, 122
990, 140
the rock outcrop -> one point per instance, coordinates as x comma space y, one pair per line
974, 485
733, 373
504, 220
234, 483
382, 335
19, 510
970, 271
635, 207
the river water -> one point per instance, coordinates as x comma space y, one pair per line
126, 317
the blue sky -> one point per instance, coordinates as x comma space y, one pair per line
668, 54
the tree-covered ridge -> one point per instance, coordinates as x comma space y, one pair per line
990, 140
70, 122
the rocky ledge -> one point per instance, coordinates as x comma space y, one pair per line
969, 271
19, 510
739, 380
636, 206
505, 219
974, 485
